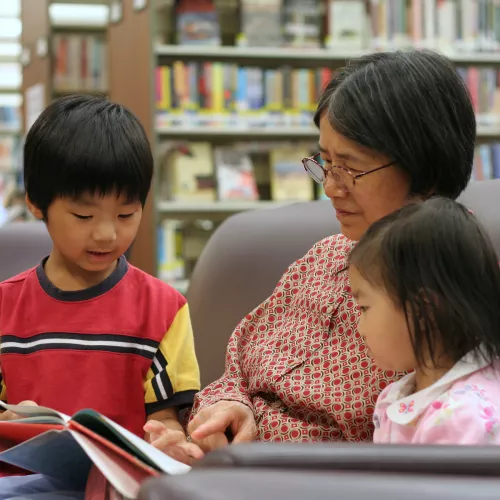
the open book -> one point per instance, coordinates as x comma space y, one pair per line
45, 441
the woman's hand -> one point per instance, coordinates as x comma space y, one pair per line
10, 415
208, 427
173, 443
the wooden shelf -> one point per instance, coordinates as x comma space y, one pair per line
239, 133
9, 59
271, 132
258, 53
80, 2
213, 210
488, 131
62, 92
10, 90
286, 54
9, 131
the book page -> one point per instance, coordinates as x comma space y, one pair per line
118, 471
37, 411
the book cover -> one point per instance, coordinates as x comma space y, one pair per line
48, 442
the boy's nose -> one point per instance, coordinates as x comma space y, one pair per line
105, 233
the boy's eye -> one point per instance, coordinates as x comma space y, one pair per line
83, 217
126, 216
363, 309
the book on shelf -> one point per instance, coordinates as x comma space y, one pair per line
80, 63
302, 23
261, 23
189, 175
10, 153
446, 25
235, 175
10, 118
171, 262
486, 162
289, 181
347, 25
64, 447
483, 83
227, 95
197, 23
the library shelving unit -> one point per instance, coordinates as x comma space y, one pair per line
140, 36
64, 50
10, 106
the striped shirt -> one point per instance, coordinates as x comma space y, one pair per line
123, 347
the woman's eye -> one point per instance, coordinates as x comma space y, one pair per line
126, 216
363, 309
83, 217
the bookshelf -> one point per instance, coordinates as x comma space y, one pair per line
10, 106
64, 50
134, 82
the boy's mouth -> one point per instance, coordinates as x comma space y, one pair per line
98, 253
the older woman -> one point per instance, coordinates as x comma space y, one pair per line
393, 126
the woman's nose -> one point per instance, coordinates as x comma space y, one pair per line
332, 188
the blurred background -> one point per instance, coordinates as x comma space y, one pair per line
226, 90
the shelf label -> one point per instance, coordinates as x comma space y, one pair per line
42, 47
115, 11
140, 4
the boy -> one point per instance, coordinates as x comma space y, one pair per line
84, 328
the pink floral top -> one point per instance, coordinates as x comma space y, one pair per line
463, 407
297, 359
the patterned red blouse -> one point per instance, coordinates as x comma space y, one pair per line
298, 361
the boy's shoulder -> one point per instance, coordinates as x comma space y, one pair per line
19, 279
147, 282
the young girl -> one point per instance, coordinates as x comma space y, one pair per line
427, 282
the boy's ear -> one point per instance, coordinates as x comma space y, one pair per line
35, 211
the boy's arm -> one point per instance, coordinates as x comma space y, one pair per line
174, 376
169, 417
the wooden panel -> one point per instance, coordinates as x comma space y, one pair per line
36, 24
131, 84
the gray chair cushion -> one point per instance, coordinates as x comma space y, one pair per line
22, 245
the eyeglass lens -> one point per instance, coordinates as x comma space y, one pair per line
343, 180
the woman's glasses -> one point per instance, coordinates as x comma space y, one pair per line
343, 177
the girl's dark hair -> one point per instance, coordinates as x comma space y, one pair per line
86, 144
411, 106
438, 264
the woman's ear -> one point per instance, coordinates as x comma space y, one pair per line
35, 211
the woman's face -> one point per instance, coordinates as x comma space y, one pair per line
373, 196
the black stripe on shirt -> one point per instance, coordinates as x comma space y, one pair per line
163, 379
179, 400
159, 360
79, 342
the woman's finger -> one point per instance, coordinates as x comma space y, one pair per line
218, 423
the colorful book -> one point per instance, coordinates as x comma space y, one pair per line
48, 442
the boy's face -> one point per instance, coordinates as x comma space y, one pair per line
92, 232
382, 325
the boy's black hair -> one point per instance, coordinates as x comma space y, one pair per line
86, 144
438, 264
411, 106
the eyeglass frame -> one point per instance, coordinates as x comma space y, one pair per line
345, 169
